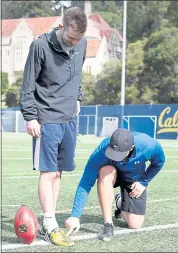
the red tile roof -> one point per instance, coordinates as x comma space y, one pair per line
9, 25
40, 25
37, 25
43, 24
103, 26
100, 21
92, 47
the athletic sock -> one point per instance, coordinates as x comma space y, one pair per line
50, 221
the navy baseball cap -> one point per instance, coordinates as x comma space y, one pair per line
120, 143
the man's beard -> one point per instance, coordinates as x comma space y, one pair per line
65, 42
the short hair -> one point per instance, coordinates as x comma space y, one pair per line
75, 16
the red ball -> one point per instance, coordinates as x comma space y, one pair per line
25, 225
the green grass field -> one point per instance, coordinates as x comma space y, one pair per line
19, 187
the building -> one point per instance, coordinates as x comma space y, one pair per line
104, 42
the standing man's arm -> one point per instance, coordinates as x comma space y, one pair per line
27, 101
79, 98
157, 159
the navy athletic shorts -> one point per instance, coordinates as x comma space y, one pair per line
55, 149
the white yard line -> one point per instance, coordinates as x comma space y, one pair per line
77, 157
30, 149
37, 171
169, 171
65, 175
93, 236
70, 175
96, 207
167, 145
30, 158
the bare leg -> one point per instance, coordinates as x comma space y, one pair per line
56, 188
45, 191
107, 177
47, 197
134, 221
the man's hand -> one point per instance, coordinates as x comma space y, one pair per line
33, 128
78, 107
137, 190
72, 224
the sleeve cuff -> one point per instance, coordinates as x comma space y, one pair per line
143, 183
79, 98
74, 214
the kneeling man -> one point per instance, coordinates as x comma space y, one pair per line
119, 161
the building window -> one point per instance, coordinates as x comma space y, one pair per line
88, 69
21, 39
7, 52
19, 53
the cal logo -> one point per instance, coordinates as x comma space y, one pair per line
167, 124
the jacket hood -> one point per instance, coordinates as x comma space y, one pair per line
52, 39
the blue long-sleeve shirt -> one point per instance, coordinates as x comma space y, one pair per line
134, 169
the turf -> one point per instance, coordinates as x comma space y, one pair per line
19, 186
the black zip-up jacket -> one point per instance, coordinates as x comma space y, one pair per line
52, 80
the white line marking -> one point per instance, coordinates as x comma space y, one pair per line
169, 157
21, 177
96, 207
70, 175
93, 236
11, 205
78, 157
126, 231
170, 171
83, 151
30, 158
167, 145
37, 171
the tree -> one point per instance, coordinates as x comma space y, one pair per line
110, 11
172, 13
88, 88
108, 84
38, 9
4, 82
19, 9
13, 93
145, 17
136, 91
134, 62
161, 65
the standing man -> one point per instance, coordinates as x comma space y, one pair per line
50, 101
119, 161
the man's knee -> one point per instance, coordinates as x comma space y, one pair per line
134, 225
51, 175
107, 172
133, 221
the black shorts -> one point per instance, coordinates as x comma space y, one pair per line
128, 204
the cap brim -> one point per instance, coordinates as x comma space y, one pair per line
115, 155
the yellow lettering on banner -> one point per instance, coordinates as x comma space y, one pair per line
167, 130
175, 119
170, 124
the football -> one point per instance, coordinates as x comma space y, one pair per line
25, 225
